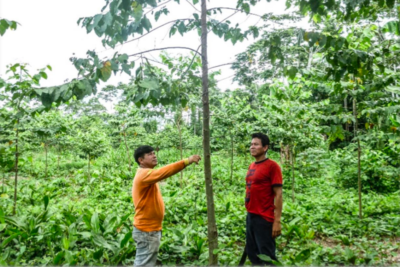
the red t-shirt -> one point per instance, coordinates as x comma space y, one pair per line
261, 178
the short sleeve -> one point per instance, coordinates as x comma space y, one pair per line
276, 175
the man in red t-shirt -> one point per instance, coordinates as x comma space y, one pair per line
263, 202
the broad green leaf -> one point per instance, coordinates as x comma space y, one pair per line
303, 255
390, 3
392, 27
126, 69
393, 89
153, 3
265, 258
2, 226
146, 23
101, 242
46, 201
10, 238
149, 83
95, 223
69, 257
138, 12
98, 254
181, 28
58, 257
125, 240
65, 243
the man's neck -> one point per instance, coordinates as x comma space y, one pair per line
145, 167
260, 158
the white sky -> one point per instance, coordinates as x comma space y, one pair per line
48, 34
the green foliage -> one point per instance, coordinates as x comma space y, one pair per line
379, 173
7, 25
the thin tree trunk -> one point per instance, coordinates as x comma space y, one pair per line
16, 169
359, 157
212, 226
127, 153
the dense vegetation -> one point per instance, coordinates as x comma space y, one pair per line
327, 96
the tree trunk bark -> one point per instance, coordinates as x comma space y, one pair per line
16, 169
212, 227
127, 153
358, 158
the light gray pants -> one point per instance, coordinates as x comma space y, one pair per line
147, 245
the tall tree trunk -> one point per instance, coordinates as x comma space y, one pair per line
212, 226
16, 169
358, 158
127, 153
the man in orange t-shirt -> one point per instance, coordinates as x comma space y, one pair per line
149, 205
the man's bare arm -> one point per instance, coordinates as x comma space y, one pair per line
277, 227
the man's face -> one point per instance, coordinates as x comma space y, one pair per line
149, 160
256, 148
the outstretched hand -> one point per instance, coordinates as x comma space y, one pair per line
195, 159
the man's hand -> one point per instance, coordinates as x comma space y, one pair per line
195, 159
276, 229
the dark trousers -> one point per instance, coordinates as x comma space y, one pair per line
259, 239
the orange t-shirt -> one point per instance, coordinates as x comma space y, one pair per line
147, 198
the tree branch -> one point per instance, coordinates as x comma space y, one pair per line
193, 6
230, 63
143, 35
163, 48
157, 7
231, 8
191, 63
226, 18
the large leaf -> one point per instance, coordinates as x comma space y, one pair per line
303, 255
95, 223
149, 83
46, 201
392, 27
101, 242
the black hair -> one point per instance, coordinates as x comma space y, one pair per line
263, 137
141, 151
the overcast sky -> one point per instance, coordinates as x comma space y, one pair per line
48, 34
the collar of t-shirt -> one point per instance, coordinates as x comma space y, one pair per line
258, 162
